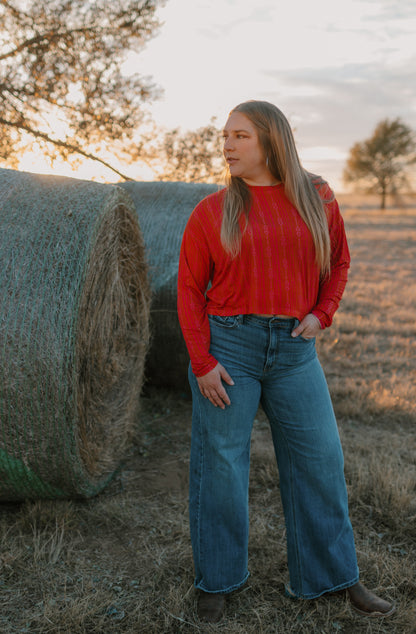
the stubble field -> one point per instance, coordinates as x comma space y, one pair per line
121, 562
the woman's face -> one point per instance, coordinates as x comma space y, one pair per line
243, 152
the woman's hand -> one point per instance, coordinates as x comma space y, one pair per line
308, 327
211, 386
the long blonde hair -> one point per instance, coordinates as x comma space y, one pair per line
276, 139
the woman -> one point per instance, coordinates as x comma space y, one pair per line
262, 269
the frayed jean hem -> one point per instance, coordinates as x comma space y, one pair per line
200, 586
342, 586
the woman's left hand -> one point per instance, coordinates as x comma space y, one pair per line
308, 327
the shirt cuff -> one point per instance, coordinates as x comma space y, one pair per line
323, 318
201, 369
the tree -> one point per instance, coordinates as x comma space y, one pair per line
382, 162
194, 156
62, 84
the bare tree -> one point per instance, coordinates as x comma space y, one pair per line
382, 162
62, 84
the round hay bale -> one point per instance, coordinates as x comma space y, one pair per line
163, 209
74, 317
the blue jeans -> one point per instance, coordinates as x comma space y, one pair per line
282, 373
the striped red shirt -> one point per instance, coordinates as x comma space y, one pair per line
275, 272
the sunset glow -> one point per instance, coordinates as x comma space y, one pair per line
335, 69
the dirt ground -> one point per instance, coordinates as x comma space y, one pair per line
121, 562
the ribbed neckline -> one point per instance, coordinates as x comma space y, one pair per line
263, 187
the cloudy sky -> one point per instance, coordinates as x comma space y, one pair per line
335, 67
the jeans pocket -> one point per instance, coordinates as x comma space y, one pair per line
300, 337
222, 321
306, 339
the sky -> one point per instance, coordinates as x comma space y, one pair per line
334, 67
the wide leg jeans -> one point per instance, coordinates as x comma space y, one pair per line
283, 373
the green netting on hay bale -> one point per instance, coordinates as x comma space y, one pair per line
163, 209
74, 317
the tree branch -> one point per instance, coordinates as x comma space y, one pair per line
53, 35
47, 37
63, 144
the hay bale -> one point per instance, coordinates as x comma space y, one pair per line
163, 209
74, 314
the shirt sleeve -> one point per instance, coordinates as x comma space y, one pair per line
194, 274
332, 286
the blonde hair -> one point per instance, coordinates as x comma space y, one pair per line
276, 139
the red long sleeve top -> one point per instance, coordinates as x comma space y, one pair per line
274, 273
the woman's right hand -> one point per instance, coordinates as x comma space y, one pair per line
211, 387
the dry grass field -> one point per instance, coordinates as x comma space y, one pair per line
121, 562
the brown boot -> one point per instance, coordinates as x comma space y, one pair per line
210, 606
367, 603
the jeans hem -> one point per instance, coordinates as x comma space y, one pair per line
199, 586
342, 586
